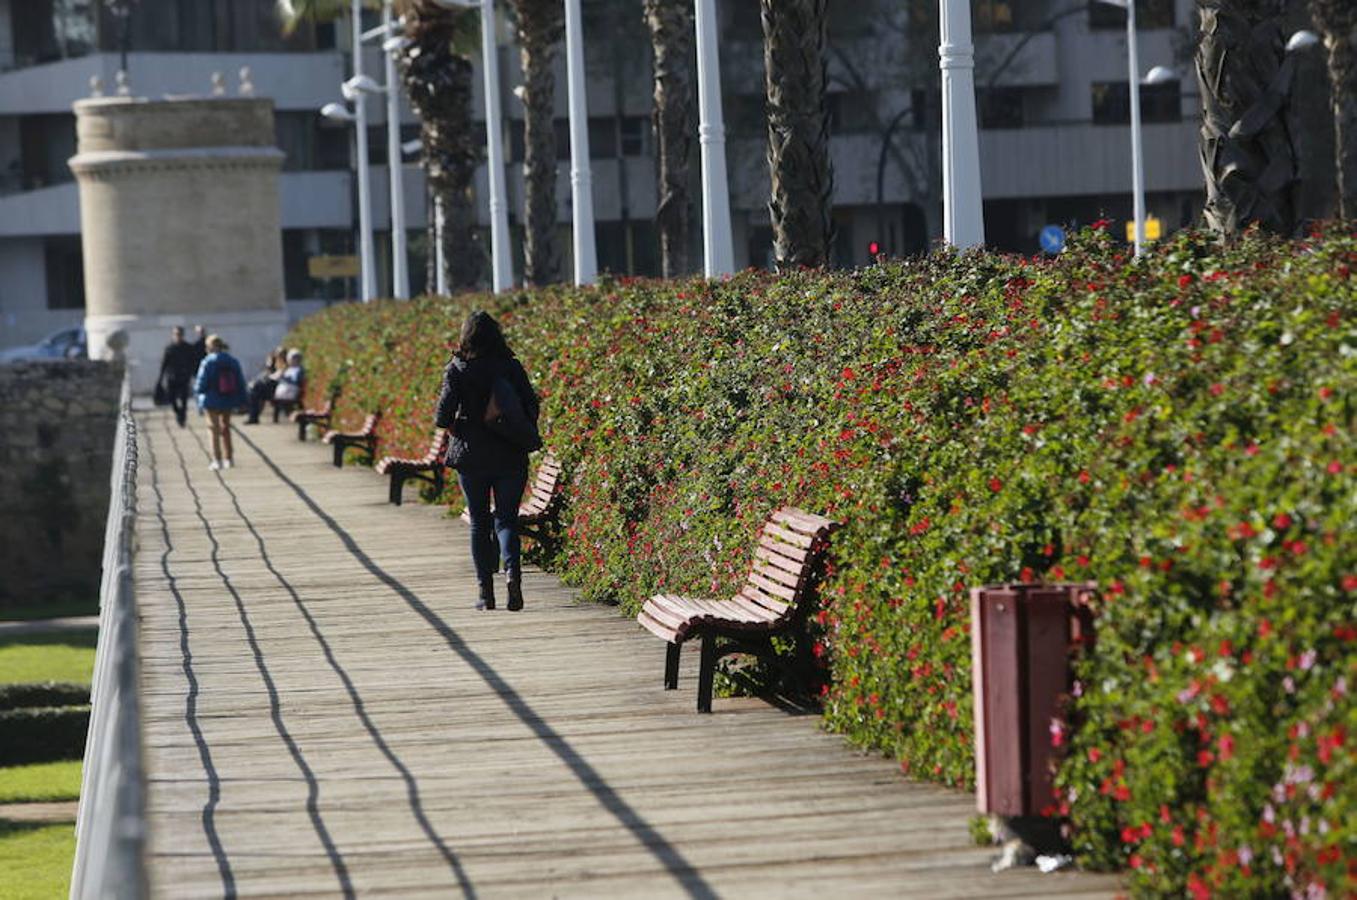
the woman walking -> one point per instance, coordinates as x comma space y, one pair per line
485, 389
220, 387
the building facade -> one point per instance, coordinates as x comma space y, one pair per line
1051, 82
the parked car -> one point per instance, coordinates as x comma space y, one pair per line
68, 343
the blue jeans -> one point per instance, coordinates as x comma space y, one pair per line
502, 524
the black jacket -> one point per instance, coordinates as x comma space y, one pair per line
179, 364
461, 408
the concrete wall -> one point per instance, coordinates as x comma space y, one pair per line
57, 425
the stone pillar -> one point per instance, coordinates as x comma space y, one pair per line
179, 225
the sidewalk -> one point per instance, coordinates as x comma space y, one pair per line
325, 712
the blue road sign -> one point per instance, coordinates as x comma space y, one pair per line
1052, 239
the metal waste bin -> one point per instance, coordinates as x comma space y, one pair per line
1021, 638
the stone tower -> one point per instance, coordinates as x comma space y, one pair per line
180, 224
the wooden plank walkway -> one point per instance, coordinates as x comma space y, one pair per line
326, 714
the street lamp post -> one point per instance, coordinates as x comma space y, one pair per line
581, 180
717, 242
963, 213
501, 262
365, 256
400, 264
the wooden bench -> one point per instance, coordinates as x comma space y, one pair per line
427, 468
319, 417
775, 600
365, 437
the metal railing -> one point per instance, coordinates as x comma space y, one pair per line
110, 828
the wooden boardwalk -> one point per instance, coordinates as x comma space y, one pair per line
326, 714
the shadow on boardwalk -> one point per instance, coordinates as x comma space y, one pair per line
325, 712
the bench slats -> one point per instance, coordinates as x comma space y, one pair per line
781, 576
763, 598
796, 554
794, 538
772, 587
801, 521
773, 558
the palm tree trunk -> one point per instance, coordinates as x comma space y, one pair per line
1247, 152
1337, 19
540, 26
798, 131
438, 82
671, 37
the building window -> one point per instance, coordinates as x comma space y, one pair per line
1000, 107
1149, 14
633, 134
850, 111
65, 267
992, 16
1158, 103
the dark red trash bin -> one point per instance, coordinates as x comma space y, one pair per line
1021, 641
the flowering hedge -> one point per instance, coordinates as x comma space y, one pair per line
1180, 431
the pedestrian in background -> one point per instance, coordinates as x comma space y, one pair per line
484, 388
199, 342
220, 387
177, 369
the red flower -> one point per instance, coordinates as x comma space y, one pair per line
1094, 754
1184, 281
1335, 467
996, 485
1083, 477
1100, 224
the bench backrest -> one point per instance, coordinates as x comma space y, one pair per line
438, 448
370, 423
544, 485
790, 544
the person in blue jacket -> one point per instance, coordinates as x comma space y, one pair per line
220, 388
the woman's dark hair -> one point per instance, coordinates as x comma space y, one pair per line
481, 336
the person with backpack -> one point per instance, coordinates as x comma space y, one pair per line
177, 368
220, 388
490, 409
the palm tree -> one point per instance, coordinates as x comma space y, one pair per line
438, 80
539, 26
1337, 20
1248, 154
794, 38
671, 39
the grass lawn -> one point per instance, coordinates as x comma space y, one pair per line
40, 782
35, 860
52, 656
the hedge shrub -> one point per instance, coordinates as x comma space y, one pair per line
43, 693
1179, 430
43, 734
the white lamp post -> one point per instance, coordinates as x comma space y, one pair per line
400, 263
365, 263
581, 180
501, 261
963, 211
717, 242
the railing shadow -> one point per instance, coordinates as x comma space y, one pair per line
589, 777
209, 816
337, 861
411, 785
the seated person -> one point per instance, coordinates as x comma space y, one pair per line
291, 380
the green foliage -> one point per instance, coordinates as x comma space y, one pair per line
35, 860
43, 734
44, 693
50, 656
40, 782
1179, 430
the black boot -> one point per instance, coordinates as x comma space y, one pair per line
487, 599
515, 593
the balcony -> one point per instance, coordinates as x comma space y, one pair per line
292, 80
